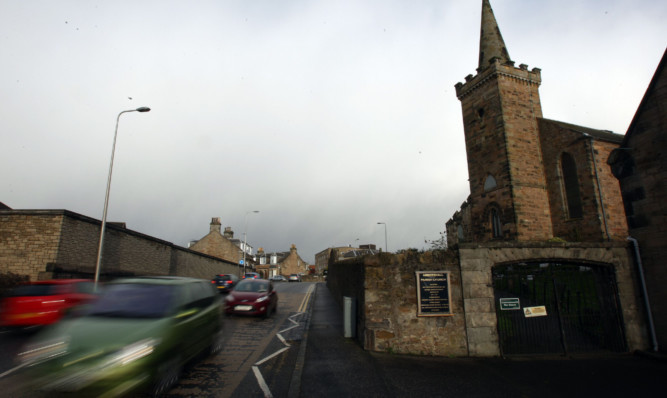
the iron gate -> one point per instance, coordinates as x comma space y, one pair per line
581, 302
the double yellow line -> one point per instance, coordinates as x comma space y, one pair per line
306, 299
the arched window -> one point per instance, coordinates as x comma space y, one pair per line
490, 183
496, 227
571, 186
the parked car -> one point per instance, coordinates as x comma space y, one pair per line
225, 282
278, 278
295, 278
137, 336
252, 297
44, 302
251, 275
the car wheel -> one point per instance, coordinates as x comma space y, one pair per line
167, 376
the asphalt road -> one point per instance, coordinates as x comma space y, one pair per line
258, 358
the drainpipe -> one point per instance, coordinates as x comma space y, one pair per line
654, 341
597, 179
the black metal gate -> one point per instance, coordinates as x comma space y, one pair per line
581, 303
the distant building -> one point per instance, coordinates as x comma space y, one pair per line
223, 245
280, 263
326, 256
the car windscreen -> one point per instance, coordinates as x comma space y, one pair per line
223, 278
252, 286
134, 300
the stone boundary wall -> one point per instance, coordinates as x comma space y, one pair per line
386, 292
476, 270
43, 244
385, 288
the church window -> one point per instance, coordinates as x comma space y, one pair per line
495, 224
570, 185
490, 183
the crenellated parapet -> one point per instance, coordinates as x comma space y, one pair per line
495, 70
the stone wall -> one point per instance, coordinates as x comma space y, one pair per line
43, 244
477, 262
558, 138
385, 289
386, 292
28, 241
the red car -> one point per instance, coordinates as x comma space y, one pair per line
44, 302
252, 297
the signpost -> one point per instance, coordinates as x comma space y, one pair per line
433, 293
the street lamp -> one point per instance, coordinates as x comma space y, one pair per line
245, 236
385, 236
106, 197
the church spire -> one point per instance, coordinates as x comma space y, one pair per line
491, 44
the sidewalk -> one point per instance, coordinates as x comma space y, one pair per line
338, 367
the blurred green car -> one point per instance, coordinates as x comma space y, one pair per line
136, 337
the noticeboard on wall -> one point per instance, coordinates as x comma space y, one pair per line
433, 293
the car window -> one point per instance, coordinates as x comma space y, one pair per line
134, 300
41, 289
84, 287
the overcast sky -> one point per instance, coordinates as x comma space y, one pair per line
327, 116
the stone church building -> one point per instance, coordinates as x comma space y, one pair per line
538, 259
544, 225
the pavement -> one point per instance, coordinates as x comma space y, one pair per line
331, 365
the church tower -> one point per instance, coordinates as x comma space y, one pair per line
501, 105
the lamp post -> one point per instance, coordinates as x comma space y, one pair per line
385, 236
106, 197
245, 236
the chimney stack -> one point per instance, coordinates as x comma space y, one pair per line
229, 234
215, 224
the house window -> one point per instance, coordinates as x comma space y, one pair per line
262, 260
490, 183
571, 186
274, 259
495, 224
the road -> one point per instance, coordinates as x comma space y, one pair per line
258, 359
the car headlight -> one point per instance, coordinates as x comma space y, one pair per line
133, 352
263, 298
229, 297
43, 351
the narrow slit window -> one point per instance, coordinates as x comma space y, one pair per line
571, 186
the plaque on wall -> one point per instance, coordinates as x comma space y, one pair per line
433, 295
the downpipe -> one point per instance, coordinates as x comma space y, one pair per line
640, 267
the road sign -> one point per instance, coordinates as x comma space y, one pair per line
240, 262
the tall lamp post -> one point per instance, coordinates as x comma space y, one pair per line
106, 197
245, 237
385, 236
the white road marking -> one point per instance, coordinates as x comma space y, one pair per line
255, 367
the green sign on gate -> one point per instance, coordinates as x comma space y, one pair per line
509, 304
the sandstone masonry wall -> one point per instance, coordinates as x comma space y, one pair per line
44, 244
